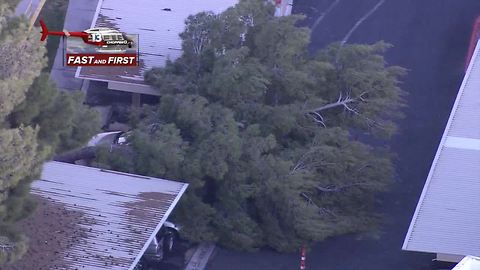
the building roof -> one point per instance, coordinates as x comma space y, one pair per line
158, 24
468, 263
112, 216
447, 217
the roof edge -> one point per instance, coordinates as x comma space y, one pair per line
439, 149
97, 12
94, 20
165, 216
115, 172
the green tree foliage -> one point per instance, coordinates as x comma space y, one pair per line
64, 122
265, 132
35, 121
18, 146
16, 73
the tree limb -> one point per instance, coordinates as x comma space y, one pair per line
6, 247
341, 101
341, 187
321, 209
317, 118
345, 102
301, 162
76, 154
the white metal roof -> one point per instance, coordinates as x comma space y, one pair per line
468, 263
158, 24
116, 214
447, 217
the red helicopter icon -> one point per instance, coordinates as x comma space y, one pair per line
101, 37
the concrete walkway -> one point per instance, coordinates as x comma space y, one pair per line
29, 8
200, 257
78, 18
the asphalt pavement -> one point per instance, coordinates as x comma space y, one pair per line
430, 39
79, 17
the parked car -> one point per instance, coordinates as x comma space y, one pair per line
160, 247
109, 138
117, 137
123, 138
104, 138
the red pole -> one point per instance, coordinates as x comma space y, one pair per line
303, 257
473, 41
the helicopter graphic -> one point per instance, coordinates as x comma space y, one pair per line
100, 37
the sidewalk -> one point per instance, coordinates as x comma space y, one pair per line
29, 8
200, 257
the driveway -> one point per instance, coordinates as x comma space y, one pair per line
78, 18
27, 7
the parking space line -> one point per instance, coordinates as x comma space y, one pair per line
328, 10
357, 24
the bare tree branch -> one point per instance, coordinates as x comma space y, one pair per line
306, 160
5, 244
341, 101
322, 210
317, 118
345, 101
341, 187
6, 247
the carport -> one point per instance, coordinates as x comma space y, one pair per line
446, 220
90, 218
